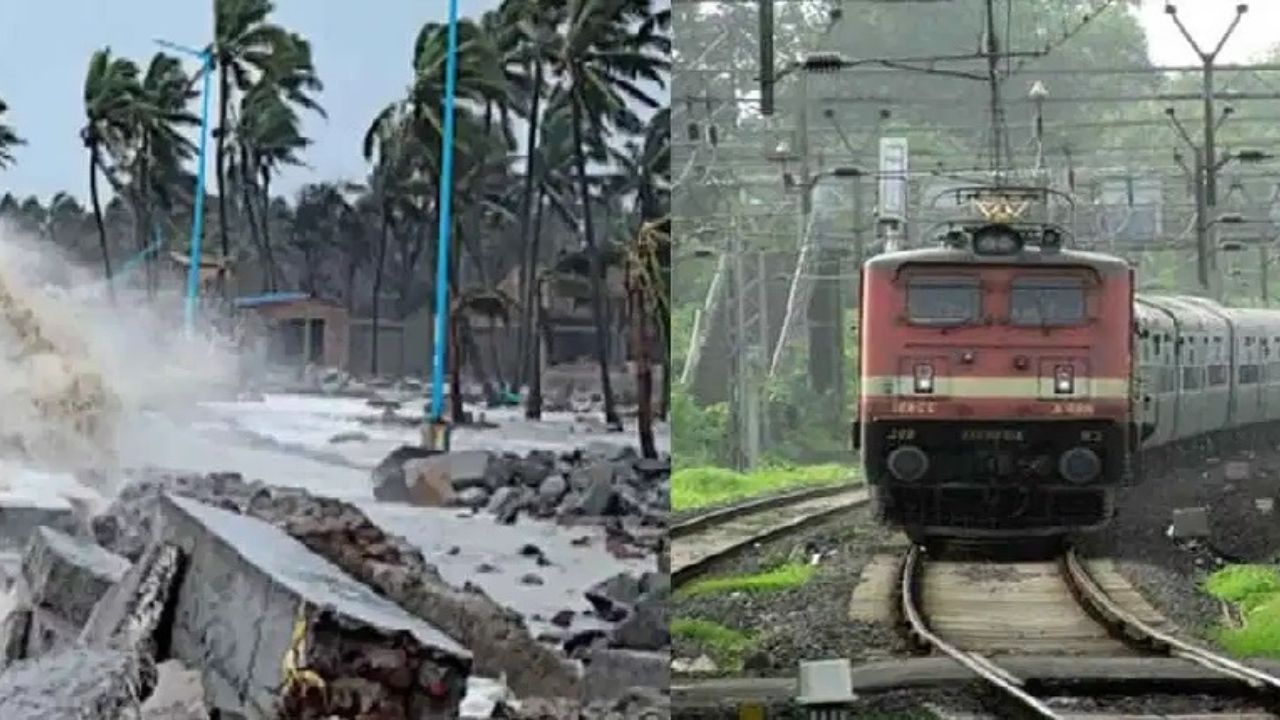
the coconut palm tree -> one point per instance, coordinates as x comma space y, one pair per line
160, 148
268, 136
392, 146
8, 139
607, 46
247, 48
111, 92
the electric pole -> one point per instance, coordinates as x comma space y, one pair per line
1207, 60
993, 81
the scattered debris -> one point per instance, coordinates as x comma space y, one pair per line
601, 484
1190, 523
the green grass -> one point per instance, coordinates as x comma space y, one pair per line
1256, 590
726, 646
783, 577
703, 486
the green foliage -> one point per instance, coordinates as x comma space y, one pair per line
699, 438
1246, 585
694, 487
782, 577
725, 645
1256, 590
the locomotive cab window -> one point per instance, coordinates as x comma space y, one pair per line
944, 300
1047, 301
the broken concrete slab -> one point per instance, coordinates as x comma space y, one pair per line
388, 477
130, 614
20, 518
238, 564
76, 683
426, 485
13, 635
67, 575
178, 694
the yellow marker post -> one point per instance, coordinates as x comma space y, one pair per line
750, 711
435, 435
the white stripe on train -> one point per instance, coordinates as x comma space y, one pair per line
1011, 387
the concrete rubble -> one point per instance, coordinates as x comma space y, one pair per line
601, 484
263, 602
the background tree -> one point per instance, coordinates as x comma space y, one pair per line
8, 139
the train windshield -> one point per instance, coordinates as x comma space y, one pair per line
944, 300
1047, 301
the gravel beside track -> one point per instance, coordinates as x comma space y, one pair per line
807, 622
1167, 571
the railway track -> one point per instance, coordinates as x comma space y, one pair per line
698, 542
1077, 615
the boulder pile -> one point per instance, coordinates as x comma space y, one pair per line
601, 484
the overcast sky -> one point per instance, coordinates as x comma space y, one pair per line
363, 56
1207, 20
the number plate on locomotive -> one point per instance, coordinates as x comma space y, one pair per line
1072, 408
915, 407
988, 434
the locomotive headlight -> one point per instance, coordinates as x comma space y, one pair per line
907, 463
1064, 380
924, 378
1079, 465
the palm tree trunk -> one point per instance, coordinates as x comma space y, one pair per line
644, 373
97, 217
273, 271
246, 196
597, 266
224, 99
526, 241
377, 290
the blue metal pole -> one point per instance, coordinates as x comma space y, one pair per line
197, 218
446, 221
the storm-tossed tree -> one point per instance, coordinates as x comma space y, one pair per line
251, 52
8, 139
268, 136
111, 93
607, 48
152, 165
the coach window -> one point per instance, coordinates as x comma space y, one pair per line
1047, 301
944, 300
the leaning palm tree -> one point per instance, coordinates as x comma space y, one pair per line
607, 46
246, 49
391, 145
268, 136
160, 148
111, 92
8, 139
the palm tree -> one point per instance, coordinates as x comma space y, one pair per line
268, 136
8, 139
646, 173
111, 91
160, 148
391, 145
553, 163
247, 50
608, 46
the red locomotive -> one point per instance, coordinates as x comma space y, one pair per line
1009, 385
995, 377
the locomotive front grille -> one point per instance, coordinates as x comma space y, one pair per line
996, 476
